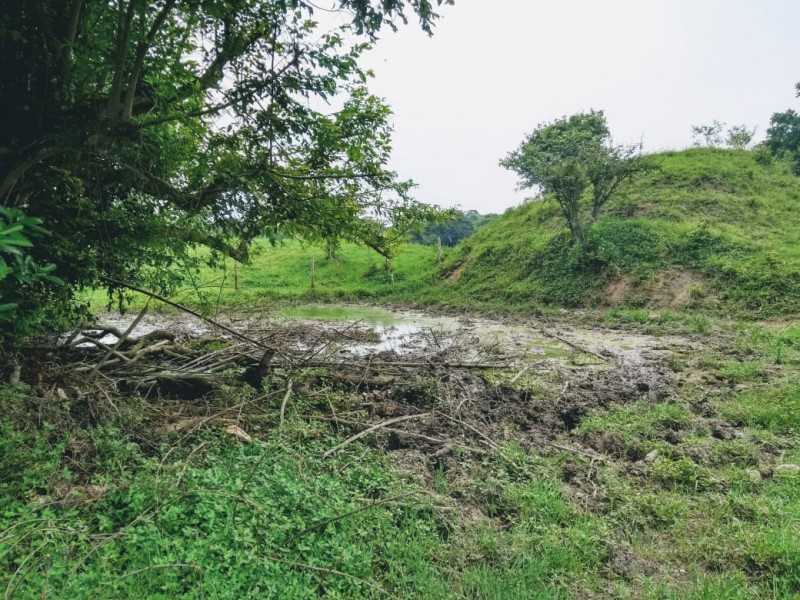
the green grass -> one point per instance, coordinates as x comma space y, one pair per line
190, 515
716, 214
282, 274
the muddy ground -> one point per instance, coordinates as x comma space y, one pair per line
436, 392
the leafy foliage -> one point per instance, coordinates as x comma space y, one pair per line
783, 136
462, 225
19, 273
715, 135
138, 129
570, 156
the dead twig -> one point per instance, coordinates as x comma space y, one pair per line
285, 401
333, 572
590, 455
485, 437
123, 337
572, 344
361, 434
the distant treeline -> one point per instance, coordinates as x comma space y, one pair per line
454, 231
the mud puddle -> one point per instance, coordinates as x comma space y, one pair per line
361, 331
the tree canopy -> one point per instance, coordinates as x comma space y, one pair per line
570, 157
459, 226
137, 128
783, 135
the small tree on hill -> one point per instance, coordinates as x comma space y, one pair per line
573, 158
735, 137
783, 135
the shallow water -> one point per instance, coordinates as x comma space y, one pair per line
404, 332
408, 331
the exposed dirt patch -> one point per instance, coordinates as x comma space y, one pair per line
617, 291
456, 272
675, 289
672, 288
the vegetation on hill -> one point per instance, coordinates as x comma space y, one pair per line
706, 227
450, 233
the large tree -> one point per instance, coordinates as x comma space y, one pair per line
136, 128
574, 160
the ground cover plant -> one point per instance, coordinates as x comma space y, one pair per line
633, 464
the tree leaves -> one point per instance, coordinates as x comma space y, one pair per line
569, 157
161, 125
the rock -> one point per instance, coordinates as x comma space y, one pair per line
754, 475
651, 456
787, 468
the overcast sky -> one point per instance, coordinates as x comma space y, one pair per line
496, 68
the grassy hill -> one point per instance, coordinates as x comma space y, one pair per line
707, 227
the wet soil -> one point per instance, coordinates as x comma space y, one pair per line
472, 383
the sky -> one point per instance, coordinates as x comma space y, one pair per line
495, 69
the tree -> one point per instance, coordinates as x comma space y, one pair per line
460, 225
735, 137
708, 135
739, 137
138, 128
571, 158
783, 135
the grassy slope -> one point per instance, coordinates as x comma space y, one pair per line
282, 273
714, 212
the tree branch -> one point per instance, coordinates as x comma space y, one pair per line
141, 52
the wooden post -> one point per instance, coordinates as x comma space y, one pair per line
439, 250
312, 272
390, 268
235, 274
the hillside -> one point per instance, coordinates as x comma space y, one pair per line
707, 227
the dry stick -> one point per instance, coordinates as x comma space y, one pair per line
579, 451
9, 588
349, 513
572, 345
286, 400
427, 438
488, 440
166, 566
446, 365
357, 436
520, 374
123, 337
332, 572
188, 310
102, 346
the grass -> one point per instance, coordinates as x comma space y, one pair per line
108, 503
282, 274
679, 498
712, 225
